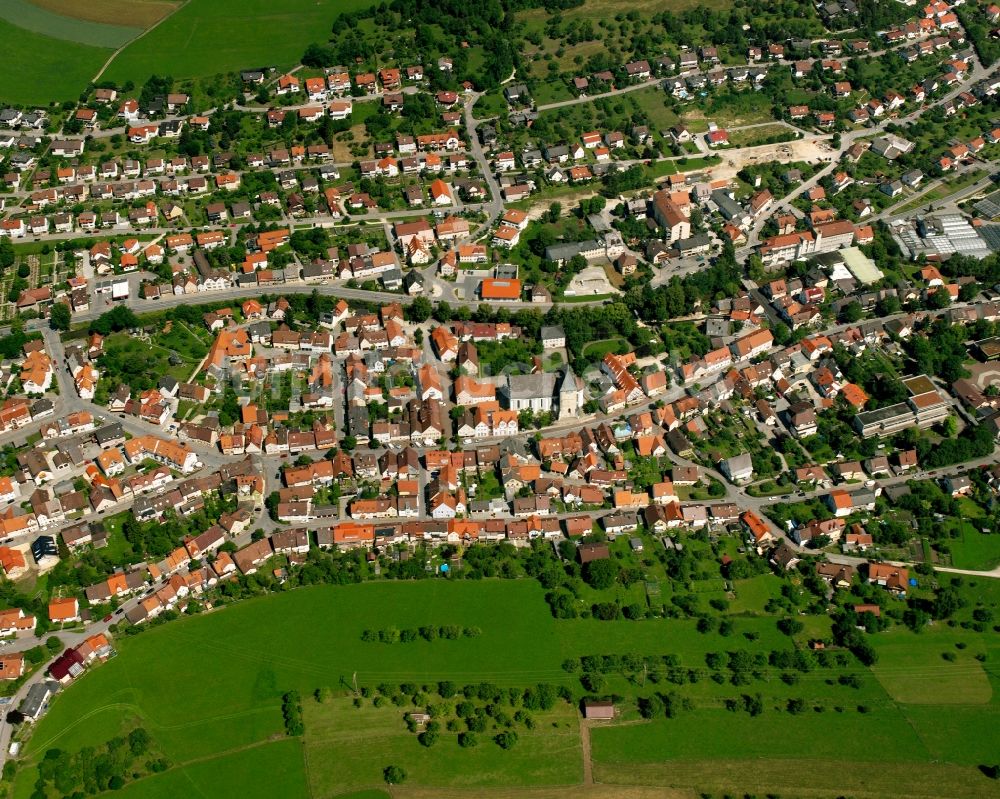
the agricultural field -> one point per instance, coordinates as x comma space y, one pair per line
40, 70
201, 40
67, 25
131, 13
230, 722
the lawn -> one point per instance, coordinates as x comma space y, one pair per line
200, 40
753, 593
40, 69
596, 350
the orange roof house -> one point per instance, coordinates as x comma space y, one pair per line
440, 192
64, 610
499, 289
12, 561
854, 394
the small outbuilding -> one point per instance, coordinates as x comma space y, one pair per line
598, 710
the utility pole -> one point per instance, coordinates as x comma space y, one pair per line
354, 678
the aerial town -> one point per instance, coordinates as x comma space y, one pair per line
680, 352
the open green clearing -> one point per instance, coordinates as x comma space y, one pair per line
596, 350
209, 37
40, 69
208, 690
974, 549
39, 20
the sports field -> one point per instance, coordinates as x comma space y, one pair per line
40, 69
208, 689
208, 37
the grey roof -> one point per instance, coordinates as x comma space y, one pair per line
565, 251
739, 463
38, 694
694, 243
728, 207
541, 384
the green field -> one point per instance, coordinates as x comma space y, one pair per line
549, 754
39, 20
974, 550
596, 350
40, 69
256, 772
208, 690
912, 670
209, 37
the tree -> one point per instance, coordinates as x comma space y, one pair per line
427, 738
651, 707
393, 775
6, 253
851, 312
467, 740
947, 602
506, 739
600, 574
419, 310
59, 316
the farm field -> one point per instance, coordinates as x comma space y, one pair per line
40, 69
233, 677
67, 26
201, 41
134, 13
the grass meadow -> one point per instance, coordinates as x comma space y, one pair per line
208, 690
208, 37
